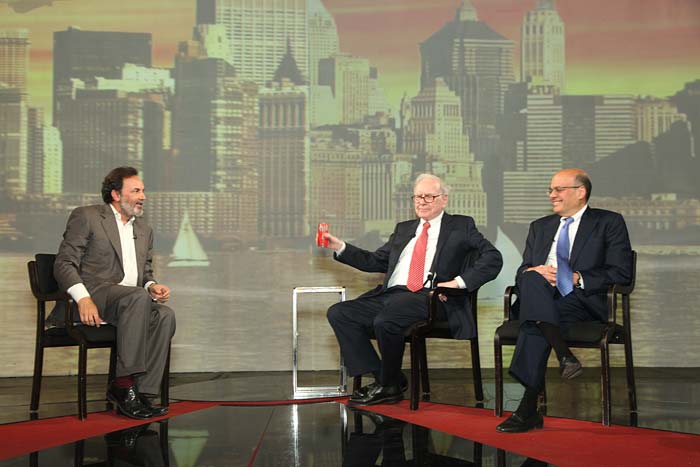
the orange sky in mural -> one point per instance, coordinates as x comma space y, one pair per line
613, 46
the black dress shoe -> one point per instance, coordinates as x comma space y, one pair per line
570, 367
517, 424
362, 392
128, 402
155, 411
380, 395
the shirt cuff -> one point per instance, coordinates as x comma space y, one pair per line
460, 282
340, 250
580, 281
148, 284
78, 292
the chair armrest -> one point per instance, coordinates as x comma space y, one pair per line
613, 291
434, 299
510, 291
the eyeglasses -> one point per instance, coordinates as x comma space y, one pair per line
425, 198
559, 189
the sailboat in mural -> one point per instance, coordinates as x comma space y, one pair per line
188, 251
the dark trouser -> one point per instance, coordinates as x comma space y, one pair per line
540, 301
388, 314
144, 330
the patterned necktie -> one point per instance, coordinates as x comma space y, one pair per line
565, 282
415, 270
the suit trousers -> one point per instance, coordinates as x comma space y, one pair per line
144, 331
388, 314
540, 301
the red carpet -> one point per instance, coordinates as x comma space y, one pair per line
564, 442
25, 437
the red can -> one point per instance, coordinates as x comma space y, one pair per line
320, 240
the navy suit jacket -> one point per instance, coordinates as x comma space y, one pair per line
601, 253
461, 251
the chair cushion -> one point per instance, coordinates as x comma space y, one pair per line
586, 331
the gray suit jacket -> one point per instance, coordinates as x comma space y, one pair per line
91, 251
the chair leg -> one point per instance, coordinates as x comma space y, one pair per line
82, 382
605, 381
629, 368
425, 376
165, 383
476, 370
356, 383
36, 378
415, 372
498, 364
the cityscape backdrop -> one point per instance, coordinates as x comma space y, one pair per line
253, 120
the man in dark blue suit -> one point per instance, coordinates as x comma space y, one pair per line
570, 259
435, 247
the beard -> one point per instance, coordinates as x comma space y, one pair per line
131, 211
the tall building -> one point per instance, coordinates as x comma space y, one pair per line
383, 178
435, 133
476, 62
53, 161
348, 77
323, 37
283, 134
100, 130
14, 58
44, 155
13, 140
615, 124
335, 184
258, 31
654, 116
85, 55
542, 46
537, 157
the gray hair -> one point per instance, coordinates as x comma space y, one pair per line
444, 189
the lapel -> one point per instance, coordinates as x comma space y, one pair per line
405, 237
445, 229
109, 224
548, 233
588, 223
140, 244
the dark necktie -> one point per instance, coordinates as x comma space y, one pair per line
565, 282
415, 270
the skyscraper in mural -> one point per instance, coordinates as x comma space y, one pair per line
284, 153
476, 63
349, 79
258, 31
14, 58
323, 37
542, 46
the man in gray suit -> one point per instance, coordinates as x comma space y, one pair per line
105, 264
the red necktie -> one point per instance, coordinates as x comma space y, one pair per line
415, 270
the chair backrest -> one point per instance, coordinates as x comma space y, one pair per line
41, 278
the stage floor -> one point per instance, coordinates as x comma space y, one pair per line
328, 433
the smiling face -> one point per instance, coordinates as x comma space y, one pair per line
425, 210
129, 201
568, 196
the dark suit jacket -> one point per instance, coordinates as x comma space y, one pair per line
458, 241
601, 253
91, 251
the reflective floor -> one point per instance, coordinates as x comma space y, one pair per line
325, 434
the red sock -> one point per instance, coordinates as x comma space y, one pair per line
124, 381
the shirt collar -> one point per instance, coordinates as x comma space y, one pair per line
436, 221
119, 216
576, 217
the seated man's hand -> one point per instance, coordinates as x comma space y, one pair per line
89, 315
159, 292
548, 272
334, 243
450, 285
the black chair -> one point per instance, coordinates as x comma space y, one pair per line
45, 289
592, 335
433, 328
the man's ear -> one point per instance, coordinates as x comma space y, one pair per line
115, 195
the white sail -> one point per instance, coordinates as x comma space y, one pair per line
187, 250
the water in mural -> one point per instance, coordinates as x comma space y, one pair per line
251, 122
